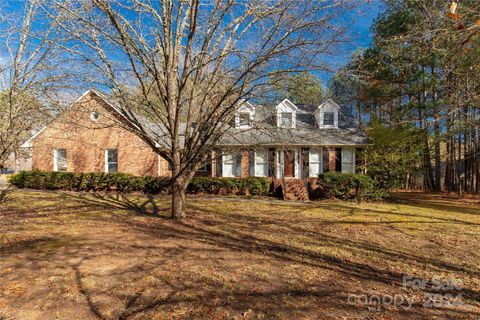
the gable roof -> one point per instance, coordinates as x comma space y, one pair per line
287, 103
28, 143
329, 103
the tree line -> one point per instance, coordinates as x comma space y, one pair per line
416, 89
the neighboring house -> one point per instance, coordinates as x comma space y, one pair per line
284, 141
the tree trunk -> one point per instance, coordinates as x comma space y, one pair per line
438, 160
178, 199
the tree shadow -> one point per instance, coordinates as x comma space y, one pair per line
5, 194
165, 243
121, 201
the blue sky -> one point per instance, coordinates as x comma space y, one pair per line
360, 22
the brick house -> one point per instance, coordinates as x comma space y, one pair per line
288, 141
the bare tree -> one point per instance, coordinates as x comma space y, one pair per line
30, 63
180, 69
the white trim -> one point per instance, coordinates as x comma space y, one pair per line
94, 116
319, 152
289, 103
328, 106
281, 108
255, 163
296, 165
248, 108
100, 95
55, 159
28, 143
106, 160
234, 168
213, 164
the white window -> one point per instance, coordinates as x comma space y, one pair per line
244, 119
60, 160
261, 163
315, 162
111, 160
329, 118
348, 161
286, 119
229, 165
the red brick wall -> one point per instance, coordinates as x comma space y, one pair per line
245, 164
86, 141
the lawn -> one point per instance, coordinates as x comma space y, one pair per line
87, 256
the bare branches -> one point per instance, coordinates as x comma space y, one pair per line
30, 73
179, 69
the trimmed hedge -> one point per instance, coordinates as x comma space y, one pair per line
122, 182
98, 181
234, 186
348, 186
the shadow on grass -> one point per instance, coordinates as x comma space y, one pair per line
218, 233
416, 200
121, 201
242, 239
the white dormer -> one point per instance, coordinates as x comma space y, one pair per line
326, 114
286, 114
244, 115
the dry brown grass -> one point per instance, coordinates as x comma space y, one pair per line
86, 256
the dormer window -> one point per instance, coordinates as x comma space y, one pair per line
326, 115
286, 119
244, 119
329, 118
244, 115
286, 113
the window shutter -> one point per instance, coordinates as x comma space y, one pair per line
208, 165
305, 162
338, 160
219, 165
251, 163
271, 162
325, 160
238, 164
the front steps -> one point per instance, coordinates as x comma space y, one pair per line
296, 189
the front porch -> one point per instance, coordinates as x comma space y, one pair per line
282, 163
293, 171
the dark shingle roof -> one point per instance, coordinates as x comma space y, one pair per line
265, 132
306, 133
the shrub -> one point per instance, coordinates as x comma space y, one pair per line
348, 186
122, 182
98, 181
155, 185
243, 186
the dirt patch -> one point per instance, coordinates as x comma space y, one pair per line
85, 256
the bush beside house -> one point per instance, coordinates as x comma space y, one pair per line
121, 182
347, 186
235, 186
342, 186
